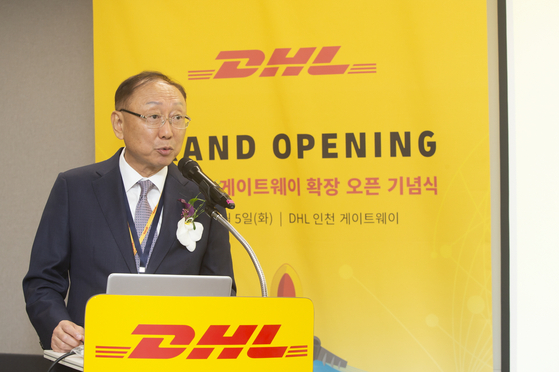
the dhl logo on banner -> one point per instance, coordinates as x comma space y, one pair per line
291, 66
171, 333
213, 338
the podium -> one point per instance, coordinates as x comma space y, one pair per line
161, 333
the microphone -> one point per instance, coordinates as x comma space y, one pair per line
211, 190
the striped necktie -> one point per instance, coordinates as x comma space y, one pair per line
142, 214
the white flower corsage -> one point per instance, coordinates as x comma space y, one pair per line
188, 231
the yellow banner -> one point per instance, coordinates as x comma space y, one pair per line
353, 137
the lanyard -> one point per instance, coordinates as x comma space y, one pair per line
137, 241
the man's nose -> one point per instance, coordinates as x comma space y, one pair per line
166, 130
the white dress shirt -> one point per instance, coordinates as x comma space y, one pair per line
130, 180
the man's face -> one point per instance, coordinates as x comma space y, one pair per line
149, 150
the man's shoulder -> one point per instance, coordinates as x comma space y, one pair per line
92, 170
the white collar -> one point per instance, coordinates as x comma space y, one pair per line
130, 177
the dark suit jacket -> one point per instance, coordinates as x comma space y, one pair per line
83, 237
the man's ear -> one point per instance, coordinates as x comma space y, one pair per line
117, 120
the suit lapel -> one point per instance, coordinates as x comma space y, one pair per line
110, 195
172, 208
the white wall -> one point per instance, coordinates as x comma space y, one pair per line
46, 101
533, 60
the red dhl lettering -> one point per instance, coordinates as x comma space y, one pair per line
181, 337
245, 63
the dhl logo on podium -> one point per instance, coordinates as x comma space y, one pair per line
213, 338
138, 333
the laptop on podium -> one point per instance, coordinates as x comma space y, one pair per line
155, 285
169, 285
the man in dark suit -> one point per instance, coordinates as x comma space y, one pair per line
88, 228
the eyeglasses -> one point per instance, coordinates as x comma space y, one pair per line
157, 121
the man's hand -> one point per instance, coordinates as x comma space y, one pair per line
66, 336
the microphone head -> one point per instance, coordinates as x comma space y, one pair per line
187, 167
211, 189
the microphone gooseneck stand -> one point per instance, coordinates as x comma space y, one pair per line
214, 213
215, 195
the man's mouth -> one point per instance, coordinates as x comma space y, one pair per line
165, 151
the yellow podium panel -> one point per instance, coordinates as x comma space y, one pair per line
153, 333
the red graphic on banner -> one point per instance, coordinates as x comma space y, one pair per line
212, 339
286, 287
245, 63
